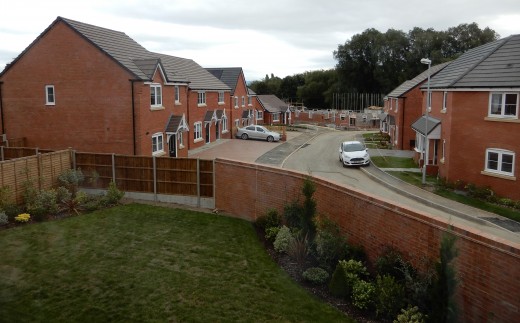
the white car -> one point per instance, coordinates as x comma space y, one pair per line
353, 153
257, 132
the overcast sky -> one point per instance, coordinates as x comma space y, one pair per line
283, 37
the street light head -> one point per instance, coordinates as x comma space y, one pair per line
426, 61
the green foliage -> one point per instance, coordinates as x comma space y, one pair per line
390, 296
71, 179
363, 293
443, 305
417, 285
330, 245
316, 275
3, 218
345, 275
62, 194
292, 214
390, 263
356, 252
298, 248
283, 239
7, 205
309, 209
43, 204
269, 220
483, 193
271, 233
411, 315
113, 194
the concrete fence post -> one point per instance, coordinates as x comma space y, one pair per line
114, 168
154, 178
198, 182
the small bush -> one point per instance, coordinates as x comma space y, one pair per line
292, 214
338, 283
410, 315
71, 179
506, 202
390, 263
92, 203
298, 248
345, 276
316, 275
269, 220
62, 194
3, 218
113, 195
11, 210
271, 233
390, 297
45, 203
363, 293
24, 217
330, 245
356, 252
283, 240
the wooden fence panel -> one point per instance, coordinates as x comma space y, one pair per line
134, 173
176, 176
206, 178
40, 171
97, 169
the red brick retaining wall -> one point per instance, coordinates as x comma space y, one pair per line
488, 267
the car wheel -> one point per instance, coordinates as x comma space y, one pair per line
270, 139
244, 136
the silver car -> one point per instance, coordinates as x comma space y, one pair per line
257, 132
353, 153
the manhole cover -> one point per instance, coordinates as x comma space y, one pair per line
505, 223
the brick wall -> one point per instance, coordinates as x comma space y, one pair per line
488, 268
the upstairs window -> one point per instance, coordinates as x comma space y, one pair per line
236, 101
500, 161
155, 95
243, 101
444, 101
50, 98
177, 94
503, 105
220, 96
202, 98
249, 100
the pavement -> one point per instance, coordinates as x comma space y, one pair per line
276, 154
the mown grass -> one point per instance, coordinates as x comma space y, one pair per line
140, 263
393, 162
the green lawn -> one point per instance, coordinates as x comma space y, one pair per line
393, 162
139, 263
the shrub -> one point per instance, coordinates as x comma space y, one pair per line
92, 202
298, 248
113, 194
345, 276
330, 245
309, 209
390, 296
24, 217
71, 179
292, 213
363, 294
62, 194
43, 205
356, 252
271, 233
316, 275
11, 210
3, 218
269, 220
390, 263
410, 315
506, 202
417, 285
283, 239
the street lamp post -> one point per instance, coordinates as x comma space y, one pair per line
428, 107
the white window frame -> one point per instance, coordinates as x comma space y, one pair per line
236, 101
155, 95
276, 117
201, 98
221, 97
396, 104
177, 95
503, 96
259, 115
50, 98
243, 101
500, 153
249, 100
224, 124
444, 101
157, 143
180, 138
197, 131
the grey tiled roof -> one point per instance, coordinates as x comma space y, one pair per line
420, 124
138, 60
410, 84
228, 75
271, 103
495, 64
251, 92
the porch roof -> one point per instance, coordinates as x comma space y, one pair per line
422, 124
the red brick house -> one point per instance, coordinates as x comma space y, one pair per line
402, 107
473, 125
95, 89
243, 105
275, 111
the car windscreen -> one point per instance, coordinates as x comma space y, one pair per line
353, 147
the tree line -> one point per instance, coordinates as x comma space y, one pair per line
375, 62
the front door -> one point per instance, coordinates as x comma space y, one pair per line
173, 146
207, 132
217, 132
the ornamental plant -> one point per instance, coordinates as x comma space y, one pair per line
24, 217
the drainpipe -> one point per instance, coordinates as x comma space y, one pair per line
2, 108
133, 116
402, 125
